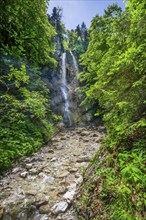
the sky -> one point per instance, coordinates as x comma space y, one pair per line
77, 11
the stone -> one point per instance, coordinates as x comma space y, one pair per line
46, 178
41, 217
30, 193
44, 209
73, 170
83, 159
53, 159
56, 139
95, 134
63, 138
45, 186
2, 210
62, 174
34, 171
51, 151
66, 163
24, 174
15, 170
69, 195
28, 166
84, 133
61, 190
86, 139
98, 139
38, 204
79, 180
60, 207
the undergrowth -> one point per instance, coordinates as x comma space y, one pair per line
114, 184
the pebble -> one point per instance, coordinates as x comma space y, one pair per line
69, 195
28, 166
83, 159
53, 159
24, 174
59, 207
16, 170
62, 174
34, 171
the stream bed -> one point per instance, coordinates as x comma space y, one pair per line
43, 186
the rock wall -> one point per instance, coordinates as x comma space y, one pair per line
53, 79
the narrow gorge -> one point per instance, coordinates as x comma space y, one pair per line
72, 110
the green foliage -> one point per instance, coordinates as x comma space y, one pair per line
25, 30
55, 20
78, 39
23, 119
26, 119
114, 77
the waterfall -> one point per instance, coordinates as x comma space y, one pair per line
67, 114
74, 62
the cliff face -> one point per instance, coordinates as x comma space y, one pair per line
62, 83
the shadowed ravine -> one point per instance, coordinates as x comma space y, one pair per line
42, 187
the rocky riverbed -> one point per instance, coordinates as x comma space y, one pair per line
43, 186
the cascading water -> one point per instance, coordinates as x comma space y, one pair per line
74, 62
67, 114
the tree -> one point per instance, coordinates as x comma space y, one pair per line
56, 20
25, 30
26, 120
78, 39
114, 77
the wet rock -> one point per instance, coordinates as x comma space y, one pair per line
59, 207
24, 174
